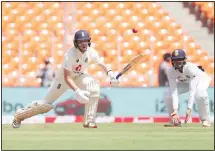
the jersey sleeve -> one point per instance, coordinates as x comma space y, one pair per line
67, 63
173, 88
192, 70
195, 78
192, 88
95, 57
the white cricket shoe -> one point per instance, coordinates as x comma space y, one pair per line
206, 124
90, 125
16, 123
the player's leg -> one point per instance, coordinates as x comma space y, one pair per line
91, 107
88, 83
182, 88
57, 88
202, 101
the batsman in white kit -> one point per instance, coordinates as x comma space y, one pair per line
72, 75
187, 77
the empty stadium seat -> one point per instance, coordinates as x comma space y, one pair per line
33, 31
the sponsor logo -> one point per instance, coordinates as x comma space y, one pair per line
9, 107
176, 53
160, 106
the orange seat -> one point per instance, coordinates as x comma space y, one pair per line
37, 31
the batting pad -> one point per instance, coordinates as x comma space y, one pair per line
91, 107
33, 109
94, 88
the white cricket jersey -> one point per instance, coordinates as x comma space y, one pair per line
77, 62
191, 75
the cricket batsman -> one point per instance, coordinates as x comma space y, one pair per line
72, 75
187, 77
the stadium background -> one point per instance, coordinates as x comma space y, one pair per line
33, 31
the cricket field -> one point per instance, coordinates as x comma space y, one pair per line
123, 136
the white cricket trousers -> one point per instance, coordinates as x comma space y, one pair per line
59, 86
201, 98
84, 82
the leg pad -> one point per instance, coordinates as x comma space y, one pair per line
33, 109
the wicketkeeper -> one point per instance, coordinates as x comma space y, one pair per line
187, 77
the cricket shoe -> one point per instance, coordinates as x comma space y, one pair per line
206, 124
90, 125
16, 123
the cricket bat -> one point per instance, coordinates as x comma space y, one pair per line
130, 64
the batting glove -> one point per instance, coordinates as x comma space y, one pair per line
113, 80
82, 96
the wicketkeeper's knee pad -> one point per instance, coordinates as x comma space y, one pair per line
33, 109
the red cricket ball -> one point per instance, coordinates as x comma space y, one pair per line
134, 30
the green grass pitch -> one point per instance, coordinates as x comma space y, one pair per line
127, 136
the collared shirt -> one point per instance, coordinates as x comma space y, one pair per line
77, 62
191, 75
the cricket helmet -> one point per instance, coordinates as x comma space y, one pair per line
81, 35
178, 55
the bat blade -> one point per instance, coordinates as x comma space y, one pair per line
130, 64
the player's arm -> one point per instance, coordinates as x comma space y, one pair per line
192, 88
67, 64
174, 93
82, 96
98, 60
195, 78
109, 73
69, 80
173, 89
104, 67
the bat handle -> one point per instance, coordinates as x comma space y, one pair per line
118, 75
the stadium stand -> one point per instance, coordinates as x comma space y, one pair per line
32, 31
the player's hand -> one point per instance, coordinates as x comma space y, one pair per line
188, 112
175, 118
82, 96
113, 80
